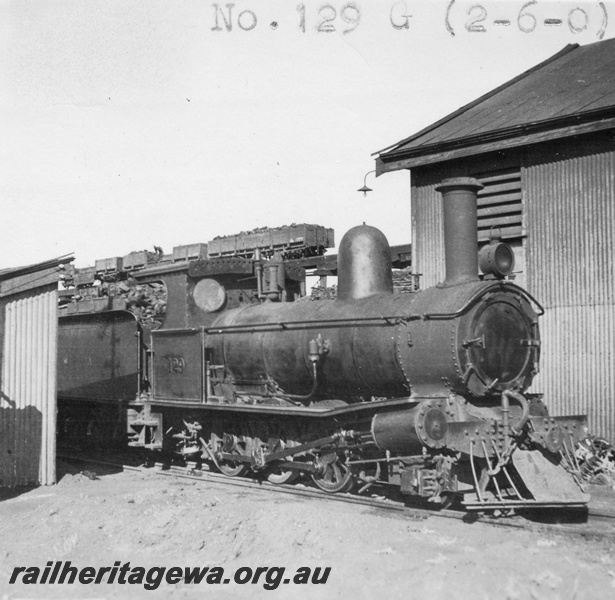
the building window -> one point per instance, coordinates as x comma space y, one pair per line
500, 205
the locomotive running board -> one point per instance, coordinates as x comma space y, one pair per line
285, 410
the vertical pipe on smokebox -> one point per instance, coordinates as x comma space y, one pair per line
459, 208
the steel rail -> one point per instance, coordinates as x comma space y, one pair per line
594, 528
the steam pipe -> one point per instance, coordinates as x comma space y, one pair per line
311, 393
525, 406
460, 229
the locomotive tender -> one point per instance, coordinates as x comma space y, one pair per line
218, 360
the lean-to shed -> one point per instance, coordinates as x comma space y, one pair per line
543, 145
28, 342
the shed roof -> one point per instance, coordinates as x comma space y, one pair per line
22, 279
570, 93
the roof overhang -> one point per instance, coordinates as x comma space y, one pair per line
23, 279
503, 139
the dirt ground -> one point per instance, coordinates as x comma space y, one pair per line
155, 521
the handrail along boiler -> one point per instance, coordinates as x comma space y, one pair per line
424, 390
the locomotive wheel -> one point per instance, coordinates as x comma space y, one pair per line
233, 445
279, 476
232, 469
282, 440
335, 476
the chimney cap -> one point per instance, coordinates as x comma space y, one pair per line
461, 183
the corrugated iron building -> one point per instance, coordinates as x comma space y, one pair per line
543, 145
28, 345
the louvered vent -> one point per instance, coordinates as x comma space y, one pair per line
499, 204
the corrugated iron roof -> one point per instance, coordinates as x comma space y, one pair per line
27, 269
21, 279
574, 87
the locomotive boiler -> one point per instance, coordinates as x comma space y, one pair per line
425, 391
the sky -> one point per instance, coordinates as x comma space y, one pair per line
126, 124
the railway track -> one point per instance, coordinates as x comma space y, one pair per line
593, 524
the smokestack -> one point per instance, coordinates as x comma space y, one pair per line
460, 229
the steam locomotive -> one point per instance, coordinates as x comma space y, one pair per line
223, 361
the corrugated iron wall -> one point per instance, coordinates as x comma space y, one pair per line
501, 194
427, 235
28, 389
567, 260
570, 217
